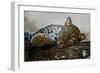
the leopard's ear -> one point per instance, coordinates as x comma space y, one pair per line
68, 21
82, 36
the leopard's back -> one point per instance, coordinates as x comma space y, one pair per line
50, 29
